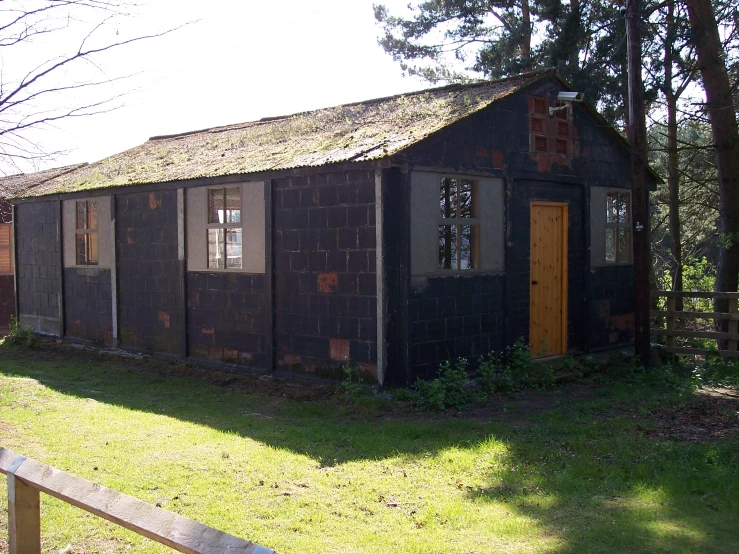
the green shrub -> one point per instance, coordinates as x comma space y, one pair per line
19, 334
352, 385
451, 389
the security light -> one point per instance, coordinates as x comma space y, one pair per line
566, 96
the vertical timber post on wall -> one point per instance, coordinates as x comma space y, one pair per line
269, 275
405, 278
113, 273
181, 237
508, 253
16, 281
380, 276
60, 273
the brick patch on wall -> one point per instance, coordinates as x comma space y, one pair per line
325, 286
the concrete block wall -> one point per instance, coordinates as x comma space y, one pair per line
227, 318
454, 317
39, 260
324, 264
88, 305
498, 138
612, 308
148, 272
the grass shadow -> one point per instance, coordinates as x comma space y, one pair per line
591, 475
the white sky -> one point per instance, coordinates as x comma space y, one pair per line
242, 60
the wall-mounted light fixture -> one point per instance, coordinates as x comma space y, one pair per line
567, 97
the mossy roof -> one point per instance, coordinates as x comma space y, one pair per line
349, 133
19, 185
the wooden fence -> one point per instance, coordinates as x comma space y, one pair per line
26, 478
673, 317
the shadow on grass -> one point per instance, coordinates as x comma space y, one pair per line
588, 476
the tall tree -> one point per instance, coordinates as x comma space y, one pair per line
722, 115
454, 40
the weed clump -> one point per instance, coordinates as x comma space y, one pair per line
20, 334
497, 372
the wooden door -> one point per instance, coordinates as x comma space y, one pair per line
548, 289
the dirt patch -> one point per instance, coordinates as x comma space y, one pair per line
710, 414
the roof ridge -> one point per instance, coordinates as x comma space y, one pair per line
533, 75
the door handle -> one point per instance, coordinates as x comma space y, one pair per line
534, 282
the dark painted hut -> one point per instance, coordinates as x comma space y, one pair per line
395, 233
13, 186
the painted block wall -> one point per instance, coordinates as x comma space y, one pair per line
324, 264
454, 317
148, 272
612, 308
227, 318
498, 140
39, 259
88, 305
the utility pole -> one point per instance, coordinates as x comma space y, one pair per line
639, 204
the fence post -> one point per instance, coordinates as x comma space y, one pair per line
670, 320
732, 323
24, 514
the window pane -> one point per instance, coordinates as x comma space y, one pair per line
624, 244
468, 246
216, 245
612, 207
92, 215
81, 215
92, 249
233, 248
448, 198
623, 207
233, 206
447, 246
81, 247
610, 245
215, 206
467, 199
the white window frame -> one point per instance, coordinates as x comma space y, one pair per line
87, 233
225, 226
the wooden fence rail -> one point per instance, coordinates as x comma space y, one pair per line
671, 317
26, 478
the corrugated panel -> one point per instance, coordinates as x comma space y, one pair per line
353, 132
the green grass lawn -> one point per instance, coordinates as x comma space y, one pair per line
582, 472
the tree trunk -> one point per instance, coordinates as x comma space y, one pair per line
720, 105
526, 39
639, 206
673, 180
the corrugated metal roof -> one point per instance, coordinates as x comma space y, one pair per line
353, 132
18, 185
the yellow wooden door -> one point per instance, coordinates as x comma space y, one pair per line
548, 310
